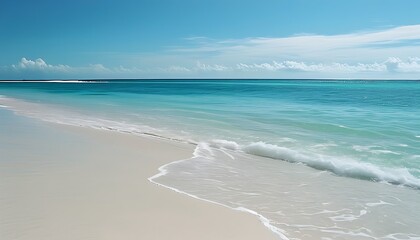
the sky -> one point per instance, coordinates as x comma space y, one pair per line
88, 39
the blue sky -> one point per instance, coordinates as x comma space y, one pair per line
209, 38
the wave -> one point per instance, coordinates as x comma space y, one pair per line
342, 166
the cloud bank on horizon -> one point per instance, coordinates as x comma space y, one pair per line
388, 53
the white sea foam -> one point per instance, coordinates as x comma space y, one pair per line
203, 150
66, 81
286, 139
374, 149
220, 143
374, 204
401, 236
348, 217
324, 145
343, 167
56, 115
2, 104
385, 152
359, 148
76, 81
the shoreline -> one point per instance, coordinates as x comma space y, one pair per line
68, 184
263, 220
349, 167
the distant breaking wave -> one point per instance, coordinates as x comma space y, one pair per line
71, 81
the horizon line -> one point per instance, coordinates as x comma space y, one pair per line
151, 79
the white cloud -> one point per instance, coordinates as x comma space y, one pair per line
209, 67
98, 68
39, 64
318, 67
394, 64
386, 53
368, 46
124, 70
395, 67
177, 69
39, 69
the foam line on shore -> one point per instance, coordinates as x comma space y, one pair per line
162, 172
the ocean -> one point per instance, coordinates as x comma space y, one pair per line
313, 159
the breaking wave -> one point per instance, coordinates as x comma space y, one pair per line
341, 166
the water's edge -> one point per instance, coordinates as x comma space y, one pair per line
265, 221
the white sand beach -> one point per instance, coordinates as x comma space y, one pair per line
61, 182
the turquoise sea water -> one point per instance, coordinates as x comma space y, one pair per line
277, 136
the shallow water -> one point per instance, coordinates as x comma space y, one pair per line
300, 202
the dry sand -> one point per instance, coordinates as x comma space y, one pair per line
59, 182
